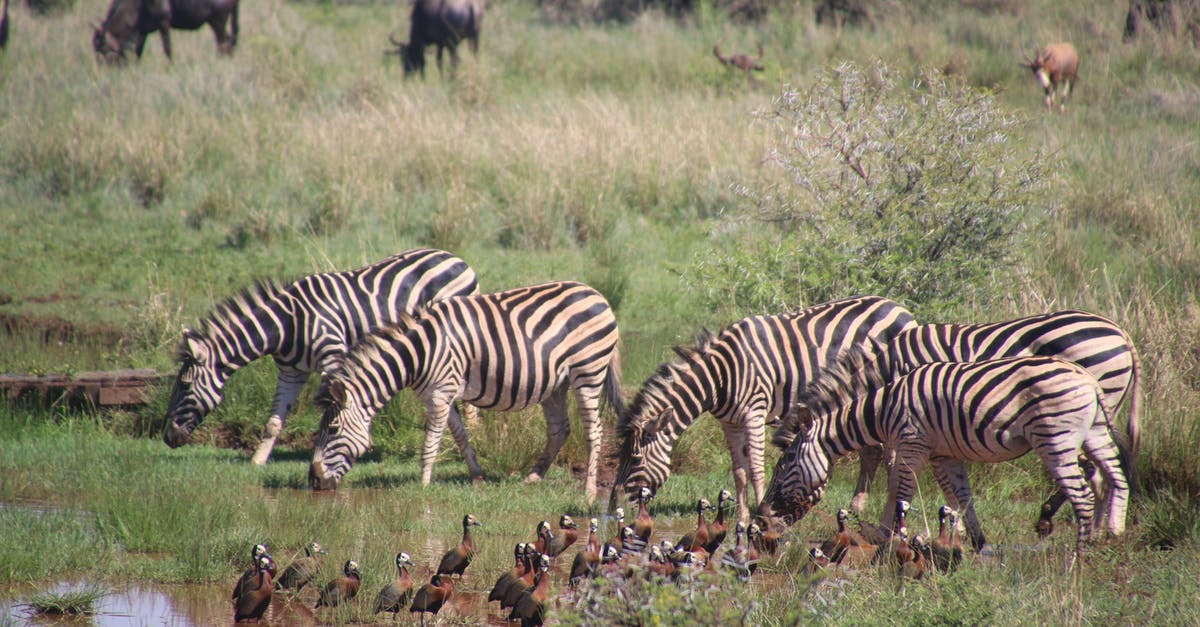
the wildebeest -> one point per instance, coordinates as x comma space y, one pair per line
443, 23
1055, 67
3, 23
129, 22
743, 62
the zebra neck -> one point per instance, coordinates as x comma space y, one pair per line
857, 424
252, 325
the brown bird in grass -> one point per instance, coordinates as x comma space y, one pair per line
896, 544
643, 525
765, 541
254, 599
531, 607
817, 560
717, 528
619, 516
917, 563
847, 539
947, 548
432, 596
343, 588
587, 559
737, 559
507, 579
697, 539
568, 534
456, 560
396, 595
658, 564
524, 582
250, 575
301, 572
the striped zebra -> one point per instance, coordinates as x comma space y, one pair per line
306, 326
1094, 342
504, 351
946, 413
745, 376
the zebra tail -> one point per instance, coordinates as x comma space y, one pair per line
612, 383
1125, 456
1133, 429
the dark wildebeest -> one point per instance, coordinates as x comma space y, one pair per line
1055, 67
129, 22
443, 23
3, 23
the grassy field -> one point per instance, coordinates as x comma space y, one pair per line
133, 200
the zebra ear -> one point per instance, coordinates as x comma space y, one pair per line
194, 347
337, 391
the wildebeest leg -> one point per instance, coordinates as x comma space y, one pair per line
558, 427
140, 44
439, 58
166, 41
218, 27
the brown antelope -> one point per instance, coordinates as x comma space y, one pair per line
743, 62
1055, 67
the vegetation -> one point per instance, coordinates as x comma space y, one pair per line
75, 602
616, 152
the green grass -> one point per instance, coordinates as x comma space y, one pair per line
74, 603
132, 201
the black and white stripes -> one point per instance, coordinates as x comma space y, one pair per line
745, 376
306, 326
503, 351
946, 413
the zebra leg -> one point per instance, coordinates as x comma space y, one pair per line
469, 413
868, 462
1045, 523
1064, 467
558, 427
902, 478
437, 415
459, 431
756, 431
287, 390
588, 400
951, 476
1100, 447
739, 452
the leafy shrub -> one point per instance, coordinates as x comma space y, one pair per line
915, 190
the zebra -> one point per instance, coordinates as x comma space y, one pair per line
306, 326
946, 413
745, 376
1092, 341
503, 351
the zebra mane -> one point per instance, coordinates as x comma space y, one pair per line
860, 369
232, 309
362, 352
657, 385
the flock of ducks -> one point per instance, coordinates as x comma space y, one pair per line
909, 557
523, 591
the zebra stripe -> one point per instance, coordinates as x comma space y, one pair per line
306, 326
504, 351
946, 413
1094, 342
745, 376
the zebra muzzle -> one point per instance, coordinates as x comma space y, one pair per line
318, 479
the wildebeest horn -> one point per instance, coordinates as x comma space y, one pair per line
392, 39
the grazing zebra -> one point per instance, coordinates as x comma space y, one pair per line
504, 351
946, 413
306, 326
1094, 342
745, 376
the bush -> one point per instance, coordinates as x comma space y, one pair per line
916, 190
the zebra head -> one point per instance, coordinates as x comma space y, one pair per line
345, 434
645, 457
198, 388
799, 481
